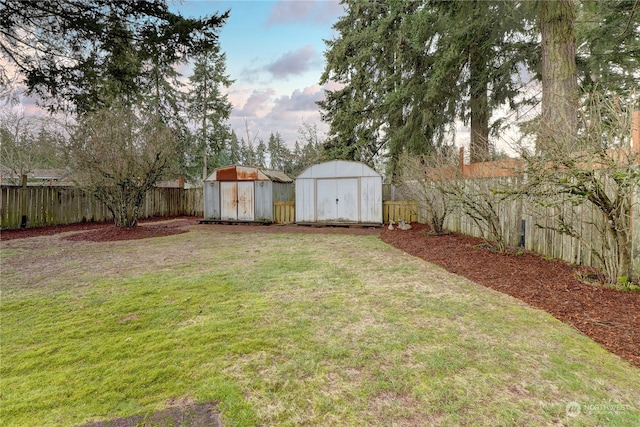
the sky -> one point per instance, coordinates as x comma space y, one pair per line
275, 54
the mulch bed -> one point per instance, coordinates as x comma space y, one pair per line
106, 231
608, 316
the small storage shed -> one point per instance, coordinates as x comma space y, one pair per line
245, 194
339, 192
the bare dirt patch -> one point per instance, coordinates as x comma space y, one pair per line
192, 415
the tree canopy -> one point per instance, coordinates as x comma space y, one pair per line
411, 69
608, 48
410, 72
75, 54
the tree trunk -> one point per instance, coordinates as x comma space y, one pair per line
625, 264
559, 74
478, 85
478, 104
621, 226
205, 110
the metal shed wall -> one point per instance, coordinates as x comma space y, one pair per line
212, 200
250, 191
339, 192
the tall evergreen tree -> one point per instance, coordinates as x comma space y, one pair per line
113, 78
247, 153
362, 59
159, 80
209, 108
608, 46
411, 69
234, 149
261, 154
279, 154
297, 163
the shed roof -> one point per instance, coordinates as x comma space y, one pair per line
247, 173
338, 169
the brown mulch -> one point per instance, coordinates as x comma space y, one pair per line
608, 316
106, 231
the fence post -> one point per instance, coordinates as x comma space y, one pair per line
23, 201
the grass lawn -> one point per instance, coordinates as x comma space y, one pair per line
285, 329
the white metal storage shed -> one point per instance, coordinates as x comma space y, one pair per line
244, 194
339, 192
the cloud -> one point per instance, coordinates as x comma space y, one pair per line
257, 104
288, 12
300, 101
285, 12
263, 112
250, 75
294, 62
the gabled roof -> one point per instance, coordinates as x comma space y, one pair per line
338, 169
247, 173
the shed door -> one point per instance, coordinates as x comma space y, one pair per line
236, 200
245, 201
337, 200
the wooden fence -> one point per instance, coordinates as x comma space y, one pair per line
43, 205
523, 222
395, 210
284, 212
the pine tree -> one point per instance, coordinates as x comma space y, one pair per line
261, 154
279, 154
247, 153
234, 149
208, 106
608, 48
362, 58
559, 73
159, 80
412, 69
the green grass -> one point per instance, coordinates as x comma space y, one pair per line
285, 329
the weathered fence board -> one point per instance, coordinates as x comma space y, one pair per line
193, 202
41, 206
395, 210
539, 234
284, 212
